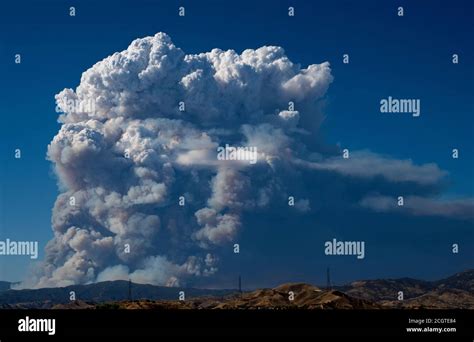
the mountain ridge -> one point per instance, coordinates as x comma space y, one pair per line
456, 291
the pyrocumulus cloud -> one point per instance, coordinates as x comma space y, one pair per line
123, 165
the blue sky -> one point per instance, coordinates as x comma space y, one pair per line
405, 57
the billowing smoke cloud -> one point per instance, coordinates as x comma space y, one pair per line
149, 141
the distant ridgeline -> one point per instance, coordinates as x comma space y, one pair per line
100, 292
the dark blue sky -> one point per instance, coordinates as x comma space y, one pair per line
406, 57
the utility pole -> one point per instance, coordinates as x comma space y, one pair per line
240, 285
328, 279
130, 290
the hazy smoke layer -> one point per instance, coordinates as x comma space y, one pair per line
140, 134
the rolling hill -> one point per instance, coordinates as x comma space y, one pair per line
456, 291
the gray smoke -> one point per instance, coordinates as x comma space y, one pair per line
123, 163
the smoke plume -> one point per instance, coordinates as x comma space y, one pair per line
143, 195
